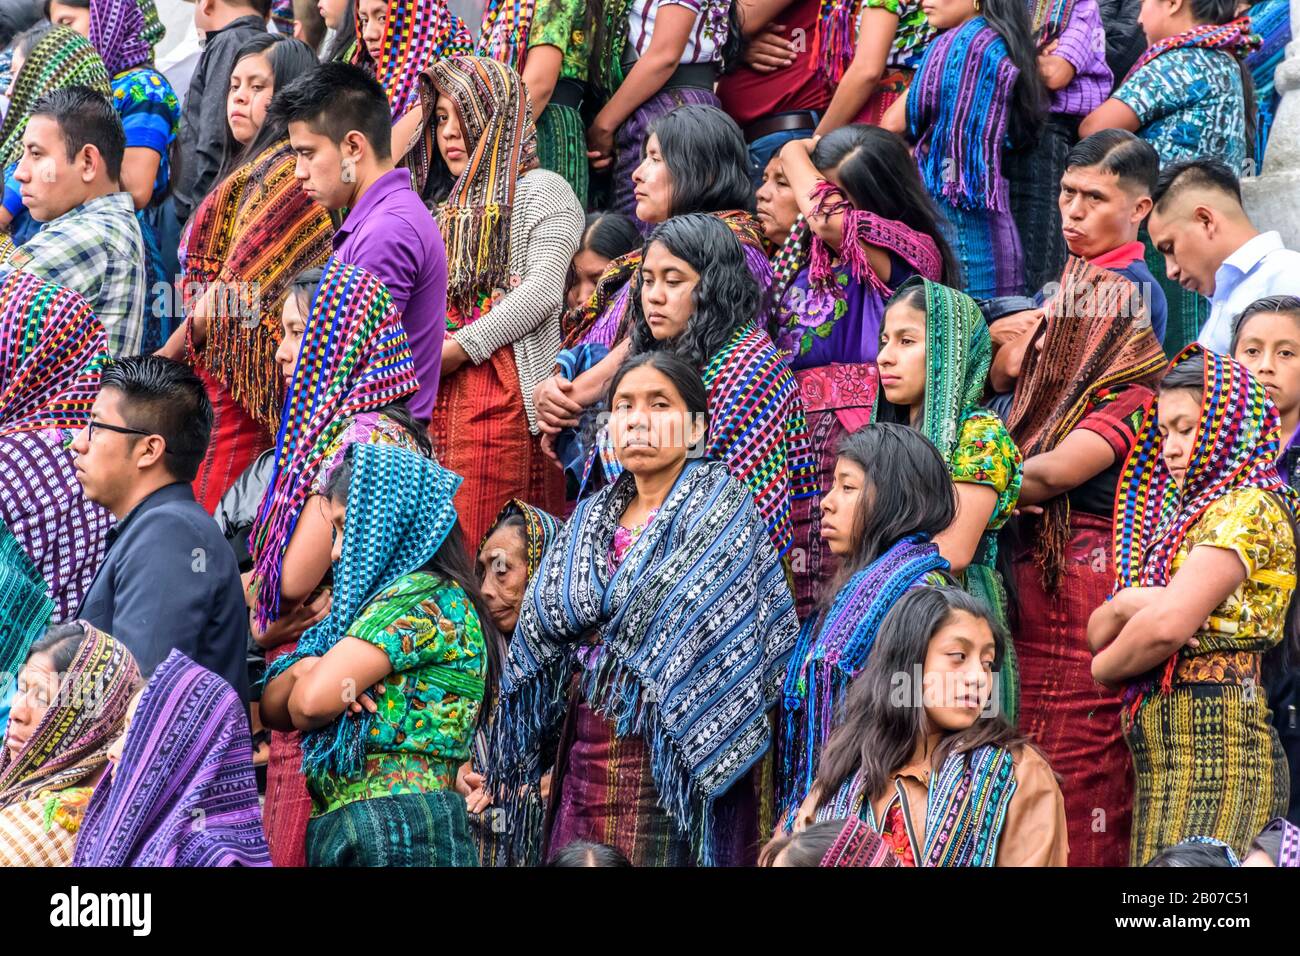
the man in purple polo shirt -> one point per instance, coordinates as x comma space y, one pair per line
339, 125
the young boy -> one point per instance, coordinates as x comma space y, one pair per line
1266, 339
226, 25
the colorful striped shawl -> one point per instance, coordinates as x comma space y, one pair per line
957, 111
399, 513
1234, 37
858, 845
505, 29
540, 530
695, 624
70, 744
252, 235
52, 350
1236, 446
419, 34
833, 649
184, 792
1046, 19
62, 58
835, 37
117, 33
25, 605
501, 139
354, 358
1093, 343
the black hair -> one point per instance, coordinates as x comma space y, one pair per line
306, 12
164, 397
806, 848
879, 176
609, 235
334, 99
1009, 19
78, 4
86, 118
706, 155
23, 42
344, 36
303, 286
1288, 305
261, 7
585, 853
725, 298
60, 643
1200, 173
684, 376
908, 491
1132, 160
1188, 374
288, 59
878, 735
451, 562
17, 16
1270, 843
1192, 854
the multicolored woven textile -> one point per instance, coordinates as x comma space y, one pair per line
858, 845
117, 31
25, 605
188, 757
1289, 852
969, 797
504, 33
419, 34
1233, 37
540, 530
354, 358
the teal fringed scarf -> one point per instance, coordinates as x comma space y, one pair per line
25, 604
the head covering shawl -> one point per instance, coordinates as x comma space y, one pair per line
1093, 343
62, 58
256, 231
117, 33
25, 604
52, 350
1288, 854
419, 34
504, 33
70, 744
184, 793
540, 530
354, 358
154, 31
695, 626
399, 512
500, 136
858, 845
1236, 446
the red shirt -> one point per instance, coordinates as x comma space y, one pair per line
748, 95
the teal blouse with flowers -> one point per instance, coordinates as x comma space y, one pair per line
151, 116
424, 727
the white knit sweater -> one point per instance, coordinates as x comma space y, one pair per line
545, 230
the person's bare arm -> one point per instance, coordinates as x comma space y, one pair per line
541, 73
1112, 114
804, 178
405, 130
876, 30
307, 557
1079, 457
755, 15
347, 671
139, 171
959, 541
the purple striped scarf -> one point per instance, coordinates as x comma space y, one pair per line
117, 34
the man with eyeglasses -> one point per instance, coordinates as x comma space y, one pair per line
169, 580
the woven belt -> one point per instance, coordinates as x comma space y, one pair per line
780, 123
568, 93
696, 76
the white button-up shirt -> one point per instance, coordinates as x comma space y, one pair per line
1261, 267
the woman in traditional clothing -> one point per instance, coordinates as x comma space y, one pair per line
508, 558
340, 20
547, 43
1190, 96
244, 244
929, 763
52, 349
607, 236
45, 59
933, 362
665, 594
184, 756
511, 231
408, 626
1205, 564
890, 496
266, 63
976, 91
348, 368
865, 226
1083, 390
71, 701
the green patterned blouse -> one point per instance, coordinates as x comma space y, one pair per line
559, 23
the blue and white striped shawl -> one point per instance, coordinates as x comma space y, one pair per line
696, 625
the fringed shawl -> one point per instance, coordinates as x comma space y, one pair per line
695, 626
62, 58
252, 235
505, 29
540, 530
70, 744
833, 649
184, 792
420, 33
957, 111
52, 350
1234, 37
501, 139
1236, 446
117, 33
354, 358
836, 37
25, 605
399, 513
857, 846
1095, 341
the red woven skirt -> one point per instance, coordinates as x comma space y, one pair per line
237, 439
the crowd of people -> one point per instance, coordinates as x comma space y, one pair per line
660, 433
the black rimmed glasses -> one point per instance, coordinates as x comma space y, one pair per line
92, 426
